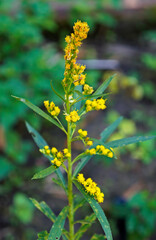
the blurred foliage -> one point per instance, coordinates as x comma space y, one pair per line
149, 60
144, 151
142, 216
28, 61
149, 36
139, 212
22, 208
128, 85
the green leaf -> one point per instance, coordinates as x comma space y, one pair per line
43, 235
97, 96
110, 129
86, 223
40, 142
6, 168
56, 230
97, 210
127, 141
104, 85
44, 208
38, 111
44, 173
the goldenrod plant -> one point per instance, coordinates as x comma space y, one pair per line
79, 98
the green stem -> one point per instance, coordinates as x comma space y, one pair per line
70, 185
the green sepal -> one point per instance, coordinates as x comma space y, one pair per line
40, 142
97, 210
56, 230
44, 173
38, 111
85, 224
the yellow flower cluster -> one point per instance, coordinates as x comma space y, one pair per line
83, 134
72, 117
51, 108
96, 104
100, 150
73, 71
59, 157
79, 79
91, 187
87, 89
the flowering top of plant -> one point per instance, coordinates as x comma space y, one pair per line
73, 72
91, 187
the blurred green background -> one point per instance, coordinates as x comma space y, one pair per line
32, 36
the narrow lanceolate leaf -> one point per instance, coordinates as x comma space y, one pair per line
127, 141
38, 111
86, 223
40, 142
110, 129
97, 210
44, 173
44, 208
56, 230
104, 85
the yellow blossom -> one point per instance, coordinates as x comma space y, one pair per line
82, 133
54, 150
51, 108
92, 151
91, 187
80, 178
73, 71
89, 143
98, 104
72, 117
87, 89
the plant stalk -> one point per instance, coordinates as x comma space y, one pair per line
70, 185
